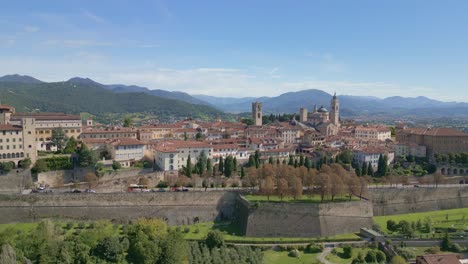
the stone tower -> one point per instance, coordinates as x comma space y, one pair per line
257, 113
29, 138
335, 111
303, 115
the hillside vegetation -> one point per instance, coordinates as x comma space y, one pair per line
76, 98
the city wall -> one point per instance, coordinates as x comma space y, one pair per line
176, 207
15, 181
302, 219
391, 201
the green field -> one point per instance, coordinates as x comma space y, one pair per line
303, 199
232, 234
455, 219
281, 257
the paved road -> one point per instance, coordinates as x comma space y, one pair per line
323, 255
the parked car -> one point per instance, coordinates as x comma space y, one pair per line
76, 191
161, 190
185, 189
89, 191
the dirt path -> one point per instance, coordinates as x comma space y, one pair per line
323, 255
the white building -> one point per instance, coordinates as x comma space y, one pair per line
373, 132
126, 150
173, 154
371, 155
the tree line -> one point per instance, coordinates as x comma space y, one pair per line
146, 241
284, 180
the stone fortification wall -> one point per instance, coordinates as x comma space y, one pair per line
302, 219
177, 208
15, 181
412, 200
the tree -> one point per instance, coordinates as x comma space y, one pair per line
242, 172
173, 249
301, 160
228, 166
188, 167
371, 256
364, 169
199, 136
270, 160
380, 256
323, 184
234, 165
214, 239
202, 161
209, 165
116, 165
291, 161
345, 157
109, 249
58, 138
25, 163
347, 251
251, 162
86, 157
221, 166
71, 146
268, 186
127, 122
282, 188
40, 166
257, 158
370, 169
392, 225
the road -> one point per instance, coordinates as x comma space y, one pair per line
323, 255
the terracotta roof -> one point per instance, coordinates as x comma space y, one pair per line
440, 131
173, 145
45, 116
373, 150
225, 146
125, 142
110, 131
8, 127
278, 150
439, 259
6, 107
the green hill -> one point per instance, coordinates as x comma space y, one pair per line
77, 98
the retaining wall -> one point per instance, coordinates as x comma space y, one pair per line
412, 200
177, 208
302, 219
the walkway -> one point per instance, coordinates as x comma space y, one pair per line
323, 255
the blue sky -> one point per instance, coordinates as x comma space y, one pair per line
244, 48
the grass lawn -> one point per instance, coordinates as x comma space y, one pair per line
25, 227
274, 257
302, 199
457, 219
232, 234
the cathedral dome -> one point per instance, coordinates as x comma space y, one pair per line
322, 109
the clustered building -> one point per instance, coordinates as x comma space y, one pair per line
316, 134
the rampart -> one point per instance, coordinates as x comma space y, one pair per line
302, 219
176, 207
391, 201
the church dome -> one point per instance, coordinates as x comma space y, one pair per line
322, 109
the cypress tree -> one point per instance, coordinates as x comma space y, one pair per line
188, 167
228, 166
301, 160
291, 161
307, 163
221, 166
364, 169
370, 169
242, 172
270, 160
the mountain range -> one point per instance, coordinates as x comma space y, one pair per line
289, 102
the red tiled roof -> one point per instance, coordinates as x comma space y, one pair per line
125, 142
440, 131
45, 116
8, 127
439, 259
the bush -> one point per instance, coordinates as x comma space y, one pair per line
294, 253
186, 229
69, 226
196, 231
116, 165
433, 250
456, 248
347, 251
214, 239
81, 225
406, 254
314, 248
162, 184
7, 166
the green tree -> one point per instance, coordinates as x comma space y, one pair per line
173, 249
116, 165
127, 122
228, 166
364, 168
58, 138
40, 166
214, 239
209, 165
25, 163
221, 166
398, 260
291, 161
242, 172
86, 157
301, 160
370, 169
347, 251
71, 146
380, 256
371, 256
110, 250
202, 162
188, 167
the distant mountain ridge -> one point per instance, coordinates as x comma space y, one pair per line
290, 102
19, 79
121, 88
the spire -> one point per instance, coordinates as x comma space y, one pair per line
334, 96
315, 108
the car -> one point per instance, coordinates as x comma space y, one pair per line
161, 190
89, 191
76, 191
184, 189
41, 187
417, 186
